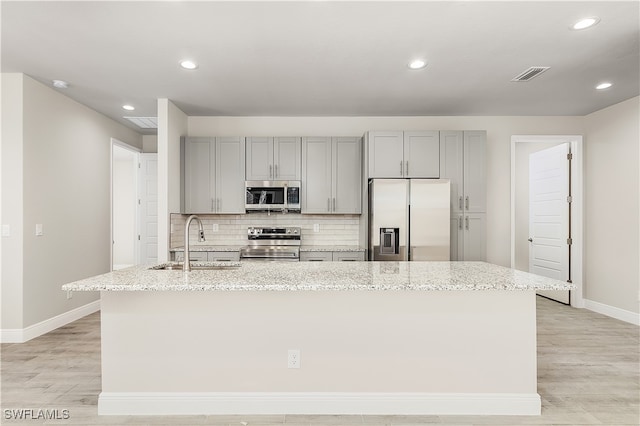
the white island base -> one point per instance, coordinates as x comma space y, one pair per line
361, 352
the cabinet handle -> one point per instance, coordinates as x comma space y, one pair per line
466, 224
401, 170
334, 204
328, 204
460, 221
406, 169
213, 207
219, 204
466, 202
275, 175
270, 171
460, 203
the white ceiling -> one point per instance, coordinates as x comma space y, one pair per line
319, 58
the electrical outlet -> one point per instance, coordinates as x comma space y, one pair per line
39, 230
69, 294
316, 227
293, 358
215, 227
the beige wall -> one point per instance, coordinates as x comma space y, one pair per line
499, 132
611, 206
12, 196
125, 194
149, 143
66, 171
172, 124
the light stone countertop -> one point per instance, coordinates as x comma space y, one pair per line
323, 276
238, 248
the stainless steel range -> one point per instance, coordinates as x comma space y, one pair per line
270, 244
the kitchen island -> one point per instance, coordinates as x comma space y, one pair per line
373, 338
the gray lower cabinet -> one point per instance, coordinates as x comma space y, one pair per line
209, 256
328, 256
468, 236
331, 175
213, 175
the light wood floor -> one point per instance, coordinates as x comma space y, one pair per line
588, 373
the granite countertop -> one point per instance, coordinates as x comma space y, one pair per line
331, 248
319, 276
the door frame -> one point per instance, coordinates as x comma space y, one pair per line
577, 205
115, 142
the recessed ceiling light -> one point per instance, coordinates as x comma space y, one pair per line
128, 107
604, 85
60, 84
586, 23
417, 64
188, 65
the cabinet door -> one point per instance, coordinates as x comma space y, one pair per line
474, 171
230, 162
475, 236
385, 155
259, 159
198, 159
348, 256
347, 175
223, 256
287, 158
457, 235
316, 172
422, 154
451, 160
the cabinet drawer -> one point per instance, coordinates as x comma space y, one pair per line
200, 256
348, 256
223, 256
316, 256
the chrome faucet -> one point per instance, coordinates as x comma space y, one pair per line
186, 265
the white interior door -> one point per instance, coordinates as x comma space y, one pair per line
549, 216
148, 212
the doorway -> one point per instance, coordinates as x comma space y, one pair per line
522, 146
124, 205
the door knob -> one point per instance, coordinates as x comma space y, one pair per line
530, 240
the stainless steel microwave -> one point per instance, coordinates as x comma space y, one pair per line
272, 195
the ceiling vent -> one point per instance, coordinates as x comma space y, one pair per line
529, 74
144, 122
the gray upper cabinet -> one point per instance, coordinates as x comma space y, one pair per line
422, 154
386, 154
271, 158
404, 154
213, 175
331, 175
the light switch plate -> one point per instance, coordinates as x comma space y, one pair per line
316, 227
39, 231
6, 230
215, 227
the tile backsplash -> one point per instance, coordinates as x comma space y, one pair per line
336, 230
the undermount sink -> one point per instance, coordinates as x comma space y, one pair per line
201, 266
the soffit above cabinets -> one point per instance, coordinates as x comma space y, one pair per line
327, 58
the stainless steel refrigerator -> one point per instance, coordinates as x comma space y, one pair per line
409, 219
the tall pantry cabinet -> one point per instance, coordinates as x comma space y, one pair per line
463, 161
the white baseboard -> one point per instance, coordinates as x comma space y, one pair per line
613, 312
21, 335
263, 403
